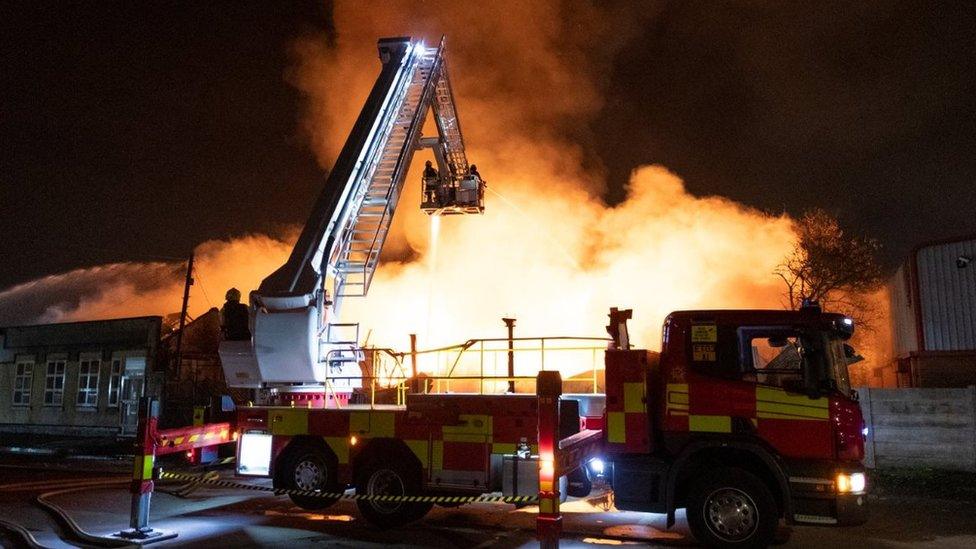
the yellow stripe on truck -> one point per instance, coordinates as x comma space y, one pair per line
633, 397
616, 430
340, 446
381, 424
777, 403
710, 424
503, 447
359, 422
437, 449
677, 399
419, 449
289, 421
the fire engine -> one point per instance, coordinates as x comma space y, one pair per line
744, 418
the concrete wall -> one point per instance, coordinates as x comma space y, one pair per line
920, 428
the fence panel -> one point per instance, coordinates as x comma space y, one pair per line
920, 428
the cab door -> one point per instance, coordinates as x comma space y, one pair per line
788, 419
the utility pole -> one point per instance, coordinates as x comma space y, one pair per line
186, 301
510, 324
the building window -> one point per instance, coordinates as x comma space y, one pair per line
23, 381
88, 383
54, 383
115, 382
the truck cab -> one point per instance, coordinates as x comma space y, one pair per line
744, 418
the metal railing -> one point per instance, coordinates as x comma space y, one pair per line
478, 366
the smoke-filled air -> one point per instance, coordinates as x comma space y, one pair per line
548, 250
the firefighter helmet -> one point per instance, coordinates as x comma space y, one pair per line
233, 294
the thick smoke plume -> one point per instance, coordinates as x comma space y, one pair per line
549, 251
527, 77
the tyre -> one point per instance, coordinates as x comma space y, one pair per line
308, 468
579, 484
732, 508
392, 477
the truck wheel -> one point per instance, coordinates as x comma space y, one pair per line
309, 469
732, 508
579, 485
391, 478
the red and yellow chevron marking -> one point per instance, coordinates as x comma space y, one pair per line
711, 405
455, 434
170, 441
626, 424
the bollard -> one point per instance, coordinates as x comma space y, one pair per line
142, 477
548, 523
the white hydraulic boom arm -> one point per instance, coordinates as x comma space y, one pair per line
293, 311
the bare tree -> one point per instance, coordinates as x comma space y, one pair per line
838, 270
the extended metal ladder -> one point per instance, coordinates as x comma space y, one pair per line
448, 124
365, 231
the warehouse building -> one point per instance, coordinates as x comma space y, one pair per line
933, 316
85, 379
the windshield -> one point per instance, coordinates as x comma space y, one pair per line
838, 365
783, 356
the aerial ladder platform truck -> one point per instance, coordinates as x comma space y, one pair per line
299, 349
745, 418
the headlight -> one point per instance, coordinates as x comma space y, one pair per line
254, 457
596, 466
853, 483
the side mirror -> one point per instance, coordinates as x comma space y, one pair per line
227, 404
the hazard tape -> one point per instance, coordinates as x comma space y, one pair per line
165, 475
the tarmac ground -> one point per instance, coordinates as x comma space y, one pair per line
94, 494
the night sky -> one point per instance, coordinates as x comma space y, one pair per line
132, 133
